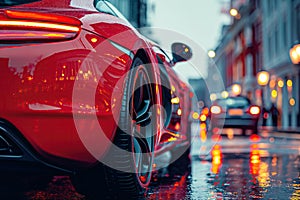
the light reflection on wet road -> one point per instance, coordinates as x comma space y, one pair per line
237, 167
230, 166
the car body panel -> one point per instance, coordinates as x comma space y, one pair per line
38, 81
176, 132
39, 102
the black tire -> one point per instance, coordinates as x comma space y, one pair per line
180, 158
134, 143
180, 162
137, 101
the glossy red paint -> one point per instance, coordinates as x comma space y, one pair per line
38, 79
66, 83
181, 110
38, 89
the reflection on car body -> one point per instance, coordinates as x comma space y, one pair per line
79, 85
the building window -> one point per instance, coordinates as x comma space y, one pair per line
240, 71
275, 4
271, 6
258, 32
258, 4
234, 73
249, 65
258, 61
270, 47
297, 20
237, 71
269, 9
276, 42
284, 32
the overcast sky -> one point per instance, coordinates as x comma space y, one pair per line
199, 20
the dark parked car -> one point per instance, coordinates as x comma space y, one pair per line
234, 112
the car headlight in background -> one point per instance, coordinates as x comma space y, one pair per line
215, 110
254, 110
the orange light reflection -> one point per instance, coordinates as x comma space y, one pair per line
216, 154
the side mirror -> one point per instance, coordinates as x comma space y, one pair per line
181, 52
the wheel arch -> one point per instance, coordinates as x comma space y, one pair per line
144, 56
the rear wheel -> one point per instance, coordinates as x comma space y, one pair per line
136, 135
131, 158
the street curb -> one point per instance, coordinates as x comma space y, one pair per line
292, 130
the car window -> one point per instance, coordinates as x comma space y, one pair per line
102, 6
107, 7
236, 102
4, 3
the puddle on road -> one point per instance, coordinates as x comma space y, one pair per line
235, 176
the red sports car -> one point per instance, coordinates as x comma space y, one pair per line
82, 90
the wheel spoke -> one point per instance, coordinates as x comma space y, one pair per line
143, 154
142, 137
142, 142
137, 153
143, 115
144, 109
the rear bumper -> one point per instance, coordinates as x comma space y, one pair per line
18, 156
245, 123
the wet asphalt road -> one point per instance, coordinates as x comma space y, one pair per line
227, 166
232, 166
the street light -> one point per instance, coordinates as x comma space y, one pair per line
211, 53
295, 58
263, 78
295, 54
236, 89
235, 13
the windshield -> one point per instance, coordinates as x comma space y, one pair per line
234, 102
4, 3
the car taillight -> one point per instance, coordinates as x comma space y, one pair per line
205, 111
215, 110
19, 26
254, 110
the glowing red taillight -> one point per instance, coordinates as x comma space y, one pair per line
30, 26
254, 110
42, 25
42, 17
215, 110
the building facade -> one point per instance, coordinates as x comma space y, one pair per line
200, 89
259, 38
239, 54
280, 32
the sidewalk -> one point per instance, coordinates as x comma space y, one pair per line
292, 130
